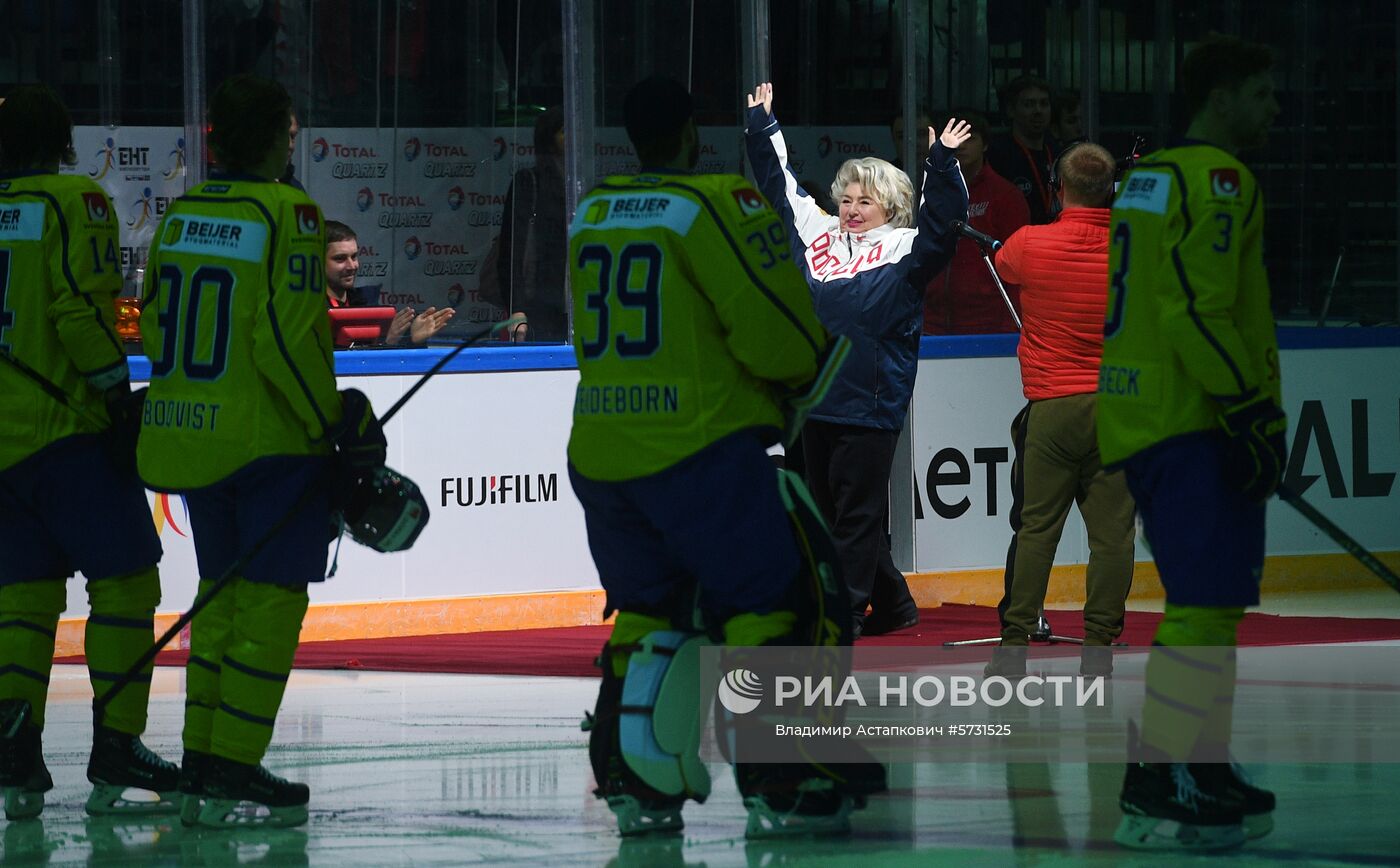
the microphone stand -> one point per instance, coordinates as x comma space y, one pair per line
1042, 631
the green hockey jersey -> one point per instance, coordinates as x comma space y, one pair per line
60, 271
234, 321
1188, 325
689, 314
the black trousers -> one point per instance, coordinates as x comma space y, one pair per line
848, 472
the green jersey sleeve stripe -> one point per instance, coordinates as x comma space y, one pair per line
1185, 283
277, 327
1253, 204
738, 254
73, 281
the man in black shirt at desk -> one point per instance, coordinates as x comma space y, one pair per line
343, 265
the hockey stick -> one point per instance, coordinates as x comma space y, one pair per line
50, 388
100, 704
1341, 537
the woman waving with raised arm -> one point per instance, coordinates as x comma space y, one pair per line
867, 267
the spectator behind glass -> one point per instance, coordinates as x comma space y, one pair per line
1025, 154
530, 264
867, 267
964, 299
289, 174
923, 140
1065, 123
342, 267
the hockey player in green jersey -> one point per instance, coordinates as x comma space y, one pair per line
1189, 393
691, 324
243, 419
69, 497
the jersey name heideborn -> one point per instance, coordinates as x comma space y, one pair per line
235, 325
59, 274
686, 306
1188, 324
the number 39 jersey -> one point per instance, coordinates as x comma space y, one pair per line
688, 314
60, 271
234, 321
1188, 324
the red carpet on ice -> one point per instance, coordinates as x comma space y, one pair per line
570, 650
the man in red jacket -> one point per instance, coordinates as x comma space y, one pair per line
963, 299
1062, 268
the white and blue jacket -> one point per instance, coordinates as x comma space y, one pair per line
868, 287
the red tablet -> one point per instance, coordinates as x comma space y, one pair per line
359, 326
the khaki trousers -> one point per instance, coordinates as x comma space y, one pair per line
1057, 464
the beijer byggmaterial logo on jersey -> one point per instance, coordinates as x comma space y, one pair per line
173, 230
740, 691
597, 212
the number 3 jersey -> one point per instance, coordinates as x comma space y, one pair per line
234, 322
1188, 324
688, 314
60, 271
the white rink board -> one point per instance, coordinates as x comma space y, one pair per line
968, 404
474, 425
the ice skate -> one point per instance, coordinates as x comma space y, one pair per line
815, 807
23, 776
1256, 802
192, 771
636, 817
1165, 809
237, 795
120, 762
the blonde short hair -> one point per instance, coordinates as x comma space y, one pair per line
882, 182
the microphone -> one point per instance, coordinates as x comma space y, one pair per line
985, 241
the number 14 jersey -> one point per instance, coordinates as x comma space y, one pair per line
234, 321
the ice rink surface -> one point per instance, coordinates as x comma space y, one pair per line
409, 769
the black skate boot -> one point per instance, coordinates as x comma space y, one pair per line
192, 771
237, 795
23, 776
789, 799
120, 762
639, 808
1231, 780
1165, 809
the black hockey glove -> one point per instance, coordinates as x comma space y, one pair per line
1258, 450
359, 441
798, 405
124, 409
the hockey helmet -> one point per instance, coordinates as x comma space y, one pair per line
385, 511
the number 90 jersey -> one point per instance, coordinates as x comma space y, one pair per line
1188, 324
689, 318
234, 321
59, 273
